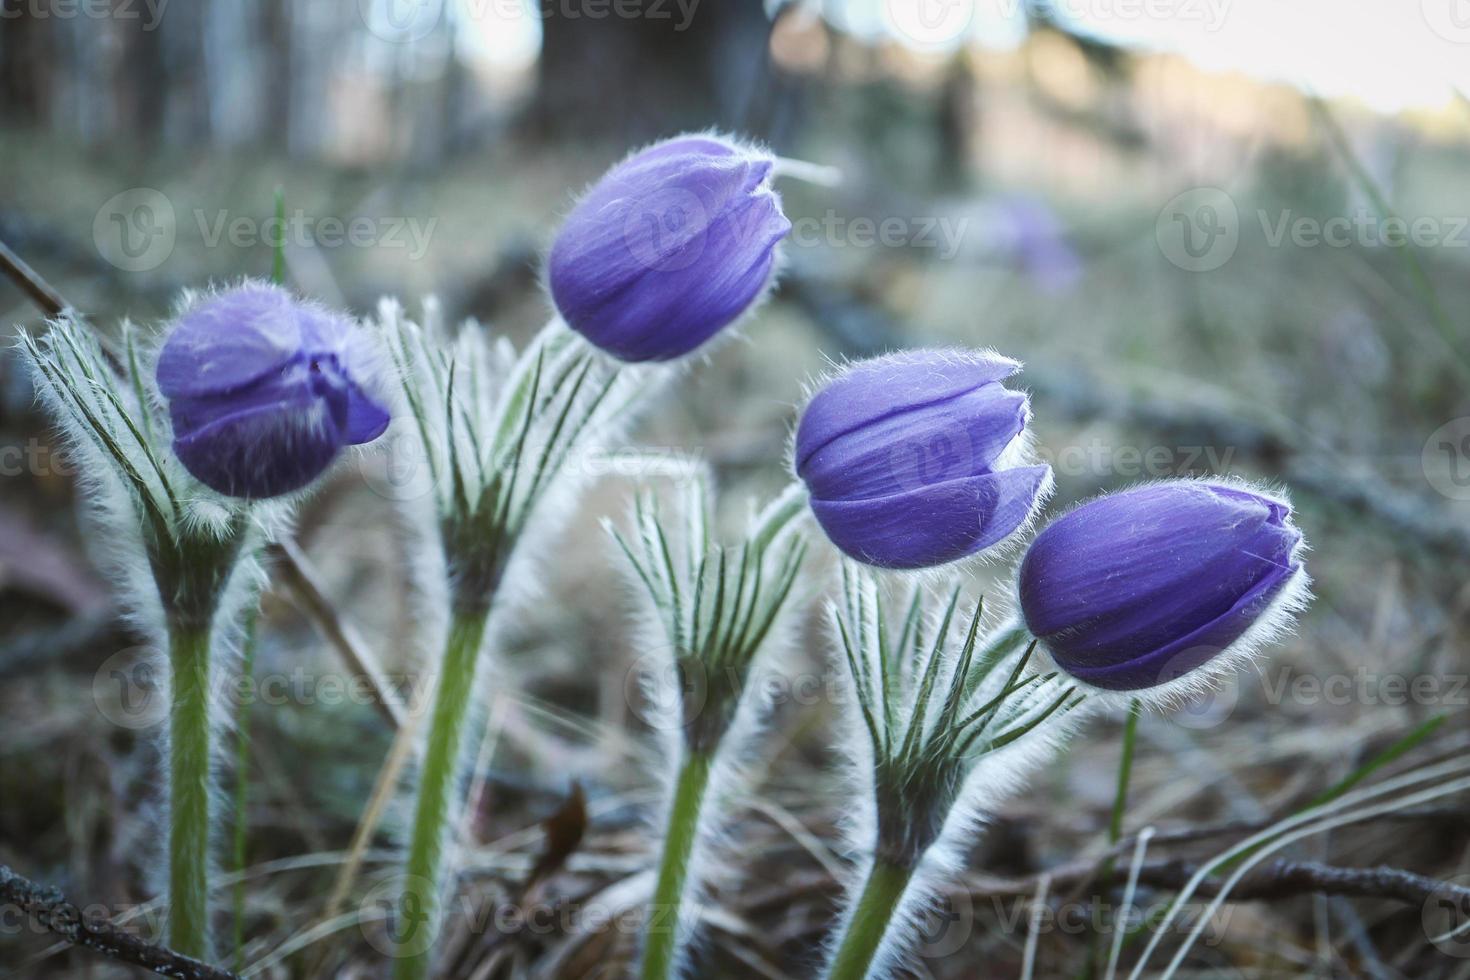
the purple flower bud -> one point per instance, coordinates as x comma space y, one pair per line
264, 391
1136, 589
912, 460
669, 247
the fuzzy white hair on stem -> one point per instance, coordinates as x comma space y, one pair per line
943, 722
716, 617
184, 563
136, 493
503, 439
495, 445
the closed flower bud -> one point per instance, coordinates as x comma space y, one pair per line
917, 459
264, 391
669, 247
1140, 588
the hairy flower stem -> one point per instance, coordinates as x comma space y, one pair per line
661, 941
188, 844
882, 892
241, 827
418, 909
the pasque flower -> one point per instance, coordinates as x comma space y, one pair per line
918, 459
1136, 589
187, 569
669, 247
264, 390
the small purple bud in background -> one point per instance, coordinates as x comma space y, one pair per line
1038, 243
916, 459
264, 390
668, 248
1139, 588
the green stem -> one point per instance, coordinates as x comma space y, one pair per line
661, 940
242, 785
188, 844
881, 894
1125, 772
418, 910
1115, 827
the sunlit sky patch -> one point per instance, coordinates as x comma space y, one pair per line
1391, 55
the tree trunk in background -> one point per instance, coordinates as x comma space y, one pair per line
234, 72
647, 76
275, 40
25, 50
144, 85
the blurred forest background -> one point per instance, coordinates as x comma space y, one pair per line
1187, 216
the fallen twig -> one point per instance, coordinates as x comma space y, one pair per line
50, 909
29, 282
1278, 879
299, 576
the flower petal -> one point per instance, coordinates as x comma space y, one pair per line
1194, 650
228, 341
640, 312
264, 451
1138, 588
918, 447
871, 391
669, 247
1144, 621
366, 419
1127, 548
933, 525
